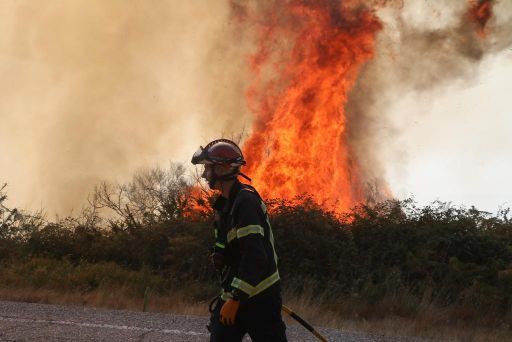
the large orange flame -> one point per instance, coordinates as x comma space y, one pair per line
314, 51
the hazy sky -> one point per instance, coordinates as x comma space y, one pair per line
95, 90
457, 145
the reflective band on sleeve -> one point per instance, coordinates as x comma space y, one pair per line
220, 245
216, 233
254, 290
231, 235
242, 285
251, 229
265, 284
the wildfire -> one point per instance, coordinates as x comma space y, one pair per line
308, 59
298, 145
196, 203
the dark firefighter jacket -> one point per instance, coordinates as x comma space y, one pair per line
244, 237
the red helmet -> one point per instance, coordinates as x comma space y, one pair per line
221, 151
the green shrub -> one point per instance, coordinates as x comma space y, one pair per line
455, 256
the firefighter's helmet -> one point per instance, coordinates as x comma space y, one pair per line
220, 152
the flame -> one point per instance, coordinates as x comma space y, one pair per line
197, 203
315, 51
480, 11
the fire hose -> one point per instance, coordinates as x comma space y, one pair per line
303, 323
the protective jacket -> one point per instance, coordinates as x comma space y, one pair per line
244, 237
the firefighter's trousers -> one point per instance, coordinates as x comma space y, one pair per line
260, 317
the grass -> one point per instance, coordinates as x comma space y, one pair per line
119, 299
108, 285
393, 316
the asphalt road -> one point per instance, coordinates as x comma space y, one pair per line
44, 322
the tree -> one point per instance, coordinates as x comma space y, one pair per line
154, 195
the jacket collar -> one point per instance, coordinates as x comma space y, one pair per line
223, 204
235, 189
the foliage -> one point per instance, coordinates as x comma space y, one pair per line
44, 273
453, 256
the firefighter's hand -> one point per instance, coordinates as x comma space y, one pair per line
228, 312
217, 260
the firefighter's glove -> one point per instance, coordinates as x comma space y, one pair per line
228, 311
217, 260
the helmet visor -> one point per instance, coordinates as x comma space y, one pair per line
200, 157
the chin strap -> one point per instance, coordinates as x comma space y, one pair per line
227, 177
244, 176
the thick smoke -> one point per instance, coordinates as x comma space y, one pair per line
93, 90
426, 47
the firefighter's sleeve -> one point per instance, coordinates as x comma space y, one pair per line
250, 235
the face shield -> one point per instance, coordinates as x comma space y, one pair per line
199, 156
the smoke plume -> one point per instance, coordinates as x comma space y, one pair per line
425, 48
94, 90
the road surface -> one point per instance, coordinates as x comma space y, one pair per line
44, 322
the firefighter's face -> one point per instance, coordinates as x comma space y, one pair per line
208, 176
210, 171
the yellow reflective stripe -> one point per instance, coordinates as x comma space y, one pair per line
263, 207
251, 229
216, 233
265, 284
242, 285
271, 238
254, 290
218, 244
244, 231
271, 235
231, 235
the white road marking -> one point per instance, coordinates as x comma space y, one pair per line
103, 326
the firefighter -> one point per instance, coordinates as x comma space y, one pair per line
244, 254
